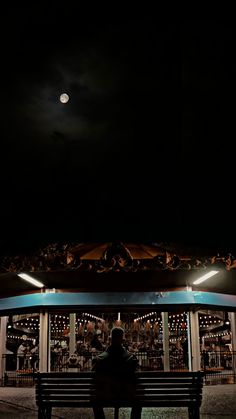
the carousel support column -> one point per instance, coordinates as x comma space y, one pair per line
44, 347
233, 334
3, 338
72, 343
194, 342
203, 344
166, 347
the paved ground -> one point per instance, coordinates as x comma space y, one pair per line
219, 401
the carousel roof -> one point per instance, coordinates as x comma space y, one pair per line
117, 266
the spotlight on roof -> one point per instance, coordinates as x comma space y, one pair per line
31, 280
204, 277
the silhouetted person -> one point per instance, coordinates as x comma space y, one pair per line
205, 357
115, 374
185, 352
96, 343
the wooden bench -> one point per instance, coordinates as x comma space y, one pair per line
154, 389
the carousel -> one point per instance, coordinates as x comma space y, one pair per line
59, 304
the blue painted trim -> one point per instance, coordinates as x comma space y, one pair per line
117, 299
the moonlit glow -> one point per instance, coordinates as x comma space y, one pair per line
204, 277
64, 98
31, 280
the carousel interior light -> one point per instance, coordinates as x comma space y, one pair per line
31, 280
204, 277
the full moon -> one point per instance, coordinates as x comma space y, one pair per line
64, 98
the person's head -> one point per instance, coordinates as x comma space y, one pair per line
117, 335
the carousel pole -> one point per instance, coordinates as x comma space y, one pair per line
72, 342
193, 342
44, 341
3, 337
166, 347
233, 334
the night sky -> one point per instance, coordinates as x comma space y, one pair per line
145, 148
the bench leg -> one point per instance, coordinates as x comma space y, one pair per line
194, 412
44, 413
116, 414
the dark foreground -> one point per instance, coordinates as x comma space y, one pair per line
219, 401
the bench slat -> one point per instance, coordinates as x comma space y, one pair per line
154, 389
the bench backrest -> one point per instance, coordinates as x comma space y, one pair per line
153, 389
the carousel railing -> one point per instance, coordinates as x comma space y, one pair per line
20, 370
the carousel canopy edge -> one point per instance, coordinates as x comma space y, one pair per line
156, 300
